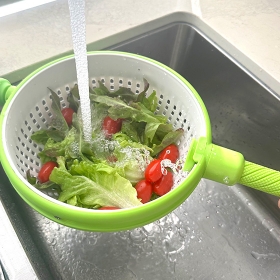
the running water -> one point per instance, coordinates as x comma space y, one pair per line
163, 240
78, 26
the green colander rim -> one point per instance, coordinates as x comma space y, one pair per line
94, 220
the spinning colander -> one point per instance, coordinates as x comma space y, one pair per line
28, 108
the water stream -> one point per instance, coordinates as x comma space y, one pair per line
78, 27
160, 242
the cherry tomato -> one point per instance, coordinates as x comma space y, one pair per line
46, 170
112, 158
68, 115
153, 171
108, 208
163, 185
144, 190
111, 126
171, 152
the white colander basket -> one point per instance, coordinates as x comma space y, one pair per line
31, 107
30, 110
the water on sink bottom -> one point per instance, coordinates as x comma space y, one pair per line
149, 252
212, 235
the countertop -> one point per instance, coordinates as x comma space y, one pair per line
39, 34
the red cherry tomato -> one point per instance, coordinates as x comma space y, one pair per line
68, 115
171, 152
144, 190
112, 158
46, 170
111, 126
108, 208
163, 185
153, 171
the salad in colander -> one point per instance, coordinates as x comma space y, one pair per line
123, 164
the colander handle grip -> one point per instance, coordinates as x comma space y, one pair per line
5, 90
261, 178
229, 167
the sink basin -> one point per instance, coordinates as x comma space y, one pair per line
220, 232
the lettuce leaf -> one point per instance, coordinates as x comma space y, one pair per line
132, 158
54, 149
152, 129
73, 102
149, 102
40, 137
169, 138
125, 141
142, 94
93, 185
120, 110
131, 129
58, 127
58, 122
123, 93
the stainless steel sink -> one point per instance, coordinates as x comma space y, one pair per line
220, 232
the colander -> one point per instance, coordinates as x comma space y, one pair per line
27, 109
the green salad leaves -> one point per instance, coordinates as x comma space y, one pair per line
93, 185
104, 171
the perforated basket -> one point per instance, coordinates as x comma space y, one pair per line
28, 109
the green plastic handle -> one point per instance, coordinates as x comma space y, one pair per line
261, 178
220, 164
6, 90
229, 167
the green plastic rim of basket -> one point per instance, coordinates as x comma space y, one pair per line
91, 220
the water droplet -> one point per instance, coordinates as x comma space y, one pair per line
226, 180
270, 256
172, 256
